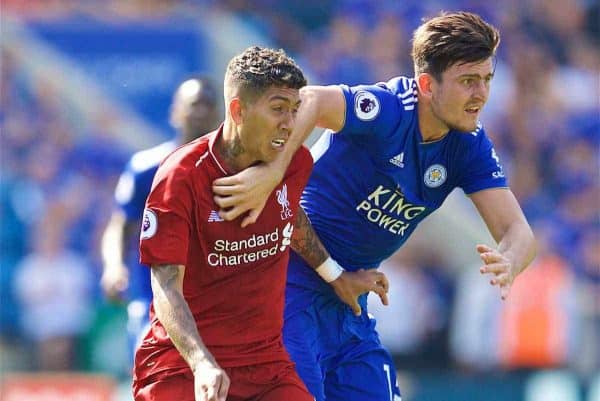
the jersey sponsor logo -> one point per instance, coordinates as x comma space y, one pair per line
282, 199
214, 216
435, 175
226, 253
366, 106
389, 209
149, 224
398, 160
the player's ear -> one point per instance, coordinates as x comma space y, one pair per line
235, 109
425, 83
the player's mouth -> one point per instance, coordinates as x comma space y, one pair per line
278, 143
473, 110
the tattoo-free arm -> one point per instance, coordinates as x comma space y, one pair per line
516, 243
118, 231
247, 191
349, 285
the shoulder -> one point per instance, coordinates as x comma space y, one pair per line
397, 94
149, 159
185, 158
303, 157
472, 138
302, 161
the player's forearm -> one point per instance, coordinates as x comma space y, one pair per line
306, 242
175, 315
518, 245
306, 120
113, 241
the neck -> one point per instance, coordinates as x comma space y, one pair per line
431, 127
230, 148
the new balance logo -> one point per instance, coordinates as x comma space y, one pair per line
398, 160
214, 216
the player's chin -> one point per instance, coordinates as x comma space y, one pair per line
467, 126
269, 156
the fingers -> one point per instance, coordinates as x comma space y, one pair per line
230, 214
252, 217
223, 388
382, 281
504, 291
492, 257
501, 279
210, 392
228, 191
481, 248
379, 290
225, 202
356, 309
494, 268
230, 181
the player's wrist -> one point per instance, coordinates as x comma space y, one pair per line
329, 270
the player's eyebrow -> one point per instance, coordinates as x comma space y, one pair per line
284, 99
490, 75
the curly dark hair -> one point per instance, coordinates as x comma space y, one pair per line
452, 38
257, 69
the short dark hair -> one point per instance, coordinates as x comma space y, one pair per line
452, 38
257, 69
208, 90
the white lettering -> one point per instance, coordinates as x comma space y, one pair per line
377, 193
389, 210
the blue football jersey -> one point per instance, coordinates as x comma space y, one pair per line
376, 180
130, 197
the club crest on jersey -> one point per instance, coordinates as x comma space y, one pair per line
366, 105
435, 175
149, 224
282, 199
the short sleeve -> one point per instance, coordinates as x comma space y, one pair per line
483, 169
131, 192
370, 110
167, 219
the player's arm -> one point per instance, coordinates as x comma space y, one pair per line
118, 231
347, 285
516, 244
210, 381
322, 106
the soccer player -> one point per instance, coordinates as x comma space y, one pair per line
393, 153
218, 290
194, 112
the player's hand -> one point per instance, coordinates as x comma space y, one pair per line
499, 266
350, 285
211, 383
247, 191
114, 281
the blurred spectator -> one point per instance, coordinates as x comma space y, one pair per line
540, 324
415, 325
54, 285
543, 117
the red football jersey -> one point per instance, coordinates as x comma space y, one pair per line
234, 277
